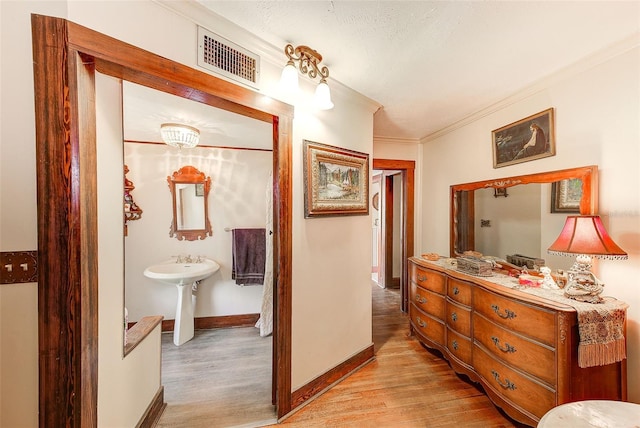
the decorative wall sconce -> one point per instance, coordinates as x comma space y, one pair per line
131, 210
179, 135
308, 63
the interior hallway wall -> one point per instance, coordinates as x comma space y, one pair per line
597, 106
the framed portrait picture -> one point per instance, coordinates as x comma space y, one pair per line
199, 189
528, 139
566, 196
336, 181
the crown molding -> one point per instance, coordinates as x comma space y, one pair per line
395, 140
574, 69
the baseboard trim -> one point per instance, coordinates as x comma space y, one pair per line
226, 321
332, 377
152, 415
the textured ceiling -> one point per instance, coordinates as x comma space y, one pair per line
433, 63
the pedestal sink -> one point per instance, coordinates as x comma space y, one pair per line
183, 275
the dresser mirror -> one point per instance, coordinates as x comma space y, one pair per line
468, 227
190, 199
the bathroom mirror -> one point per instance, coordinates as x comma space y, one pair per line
190, 198
463, 203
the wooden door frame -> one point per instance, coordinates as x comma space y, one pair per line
66, 57
407, 170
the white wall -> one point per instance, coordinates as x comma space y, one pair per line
18, 223
239, 180
126, 385
597, 123
332, 307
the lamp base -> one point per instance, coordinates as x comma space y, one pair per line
583, 285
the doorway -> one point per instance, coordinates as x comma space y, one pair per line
404, 171
68, 56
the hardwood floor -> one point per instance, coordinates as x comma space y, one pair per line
406, 385
220, 378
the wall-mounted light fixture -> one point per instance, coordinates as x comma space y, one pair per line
179, 135
308, 63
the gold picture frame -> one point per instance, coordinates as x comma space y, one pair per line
525, 140
336, 181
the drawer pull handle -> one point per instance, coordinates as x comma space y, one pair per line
455, 344
508, 314
507, 383
454, 316
421, 299
420, 322
506, 348
456, 291
422, 278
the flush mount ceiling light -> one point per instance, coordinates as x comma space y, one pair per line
308, 60
179, 135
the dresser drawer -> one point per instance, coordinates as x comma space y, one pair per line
428, 279
426, 325
531, 321
459, 346
428, 301
521, 390
459, 318
459, 291
534, 358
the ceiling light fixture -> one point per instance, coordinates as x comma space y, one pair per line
179, 135
308, 60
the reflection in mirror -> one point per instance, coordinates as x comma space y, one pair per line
190, 195
519, 224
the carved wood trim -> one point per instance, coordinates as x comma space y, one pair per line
588, 204
190, 175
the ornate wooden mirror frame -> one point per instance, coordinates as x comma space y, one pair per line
462, 212
189, 175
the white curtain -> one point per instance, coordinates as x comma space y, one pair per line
265, 322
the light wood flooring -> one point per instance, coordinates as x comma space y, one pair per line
405, 386
220, 378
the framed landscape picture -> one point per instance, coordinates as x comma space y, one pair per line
566, 196
336, 181
528, 139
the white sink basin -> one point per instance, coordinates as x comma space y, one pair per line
183, 273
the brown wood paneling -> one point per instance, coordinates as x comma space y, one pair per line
408, 224
154, 411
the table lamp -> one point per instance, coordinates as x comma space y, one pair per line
586, 237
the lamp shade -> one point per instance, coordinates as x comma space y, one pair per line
586, 235
289, 78
178, 135
322, 98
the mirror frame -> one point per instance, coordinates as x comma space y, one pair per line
588, 204
189, 175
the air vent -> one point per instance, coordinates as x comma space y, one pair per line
221, 56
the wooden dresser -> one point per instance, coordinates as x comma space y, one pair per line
522, 348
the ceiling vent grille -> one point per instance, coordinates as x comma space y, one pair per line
221, 56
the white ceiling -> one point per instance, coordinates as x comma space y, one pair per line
434, 63
144, 110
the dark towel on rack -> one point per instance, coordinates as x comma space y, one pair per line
248, 251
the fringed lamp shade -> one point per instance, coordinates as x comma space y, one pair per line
586, 235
